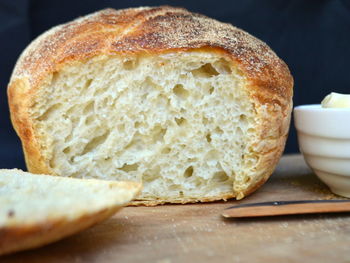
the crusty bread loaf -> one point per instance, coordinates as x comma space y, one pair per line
195, 109
38, 209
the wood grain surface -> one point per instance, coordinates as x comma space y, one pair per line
198, 233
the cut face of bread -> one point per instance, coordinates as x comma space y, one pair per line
180, 123
195, 109
38, 209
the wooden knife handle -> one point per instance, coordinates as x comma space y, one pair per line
287, 208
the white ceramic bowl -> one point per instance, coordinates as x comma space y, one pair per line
324, 140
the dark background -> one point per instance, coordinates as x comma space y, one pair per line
311, 36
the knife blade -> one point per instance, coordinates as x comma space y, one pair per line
276, 208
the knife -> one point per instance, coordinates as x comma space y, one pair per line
277, 208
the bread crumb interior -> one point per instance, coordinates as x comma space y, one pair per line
180, 123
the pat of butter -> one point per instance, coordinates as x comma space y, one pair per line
336, 100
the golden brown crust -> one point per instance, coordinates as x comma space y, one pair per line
19, 102
154, 31
19, 238
178, 200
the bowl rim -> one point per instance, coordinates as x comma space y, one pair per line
318, 107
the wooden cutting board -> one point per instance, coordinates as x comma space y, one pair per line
198, 233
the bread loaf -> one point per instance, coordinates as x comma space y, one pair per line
195, 109
38, 209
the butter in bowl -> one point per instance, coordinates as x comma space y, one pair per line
324, 140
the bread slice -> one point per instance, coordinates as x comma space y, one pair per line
195, 109
38, 209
